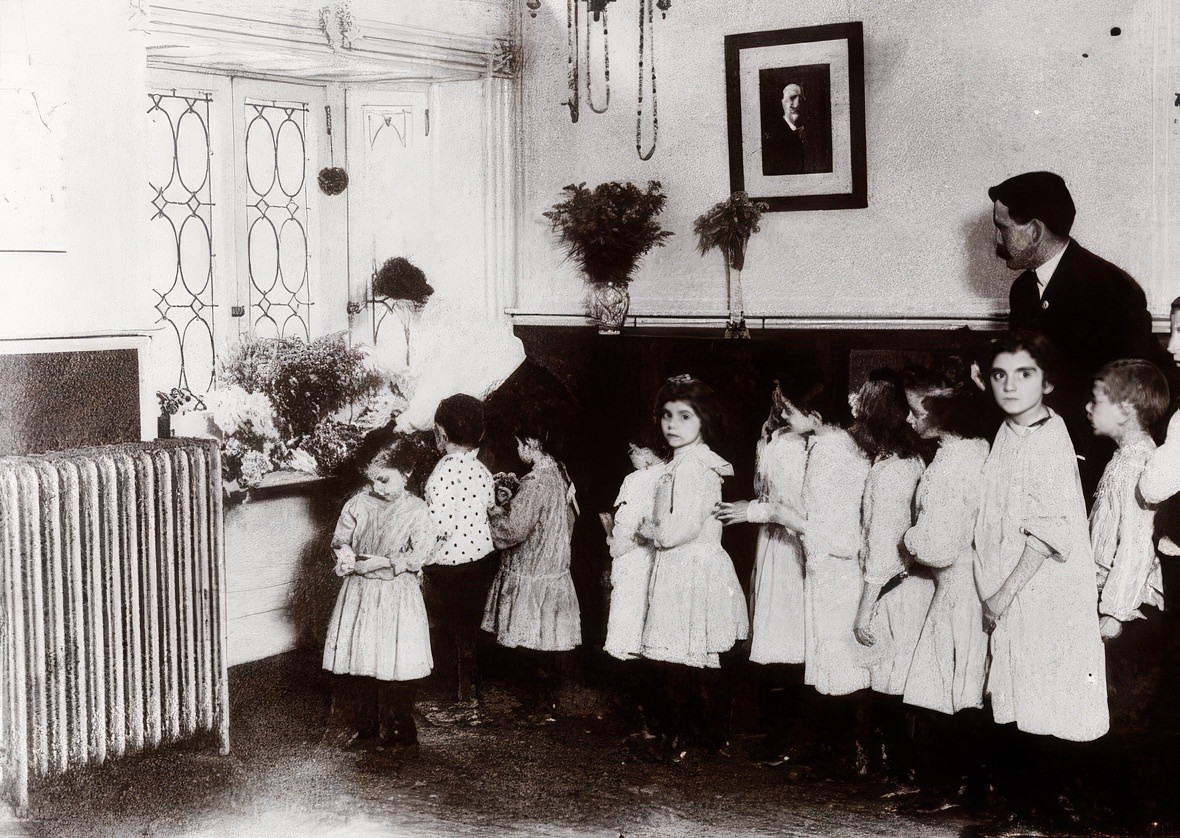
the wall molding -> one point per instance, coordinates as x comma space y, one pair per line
325, 44
772, 322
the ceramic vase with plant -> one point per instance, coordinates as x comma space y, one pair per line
606, 231
727, 226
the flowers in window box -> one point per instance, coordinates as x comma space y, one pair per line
284, 403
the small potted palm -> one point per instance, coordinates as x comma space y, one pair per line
727, 226
606, 231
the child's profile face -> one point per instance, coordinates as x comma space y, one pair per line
919, 417
1107, 418
386, 483
527, 450
1018, 385
797, 421
680, 424
1174, 335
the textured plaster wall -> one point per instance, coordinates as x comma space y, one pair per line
71, 185
959, 95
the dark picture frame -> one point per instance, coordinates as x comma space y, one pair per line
796, 116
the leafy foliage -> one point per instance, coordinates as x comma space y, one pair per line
728, 226
607, 229
305, 382
278, 401
332, 443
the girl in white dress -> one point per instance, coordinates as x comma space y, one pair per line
379, 629
894, 597
631, 556
947, 671
776, 585
1035, 575
828, 524
1034, 569
777, 612
948, 666
695, 608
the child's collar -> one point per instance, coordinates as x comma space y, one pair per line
1031, 426
1133, 437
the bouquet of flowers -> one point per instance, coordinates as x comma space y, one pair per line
283, 403
506, 484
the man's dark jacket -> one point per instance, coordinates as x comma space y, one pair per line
1093, 312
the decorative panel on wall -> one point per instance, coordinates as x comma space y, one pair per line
57, 400
181, 236
277, 219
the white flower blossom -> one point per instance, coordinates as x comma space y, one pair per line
233, 409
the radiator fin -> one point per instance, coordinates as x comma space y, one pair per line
113, 630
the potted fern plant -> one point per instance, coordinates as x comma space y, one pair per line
727, 226
606, 231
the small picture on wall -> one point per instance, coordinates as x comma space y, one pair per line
796, 116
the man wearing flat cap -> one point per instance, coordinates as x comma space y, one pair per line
1091, 311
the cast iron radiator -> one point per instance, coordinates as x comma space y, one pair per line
112, 605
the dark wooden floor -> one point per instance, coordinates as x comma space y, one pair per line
589, 772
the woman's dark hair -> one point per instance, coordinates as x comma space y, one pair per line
1022, 340
802, 387
461, 416
692, 391
1176, 304
881, 428
956, 412
401, 279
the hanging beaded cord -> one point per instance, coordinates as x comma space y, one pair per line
644, 32
572, 76
606, 61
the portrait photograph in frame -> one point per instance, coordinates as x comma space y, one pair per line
796, 117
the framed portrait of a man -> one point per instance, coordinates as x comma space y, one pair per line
796, 116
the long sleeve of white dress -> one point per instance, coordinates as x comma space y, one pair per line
888, 514
685, 497
947, 502
1121, 528
1161, 478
